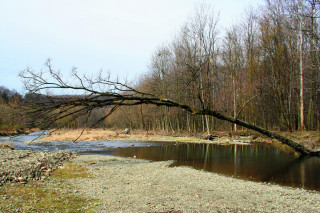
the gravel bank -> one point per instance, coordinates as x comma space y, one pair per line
24, 165
131, 185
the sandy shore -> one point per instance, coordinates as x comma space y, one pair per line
131, 185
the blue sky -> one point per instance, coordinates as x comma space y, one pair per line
114, 35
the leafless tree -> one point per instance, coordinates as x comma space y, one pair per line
99, 92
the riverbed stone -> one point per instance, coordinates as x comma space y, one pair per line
133, 185
25, 165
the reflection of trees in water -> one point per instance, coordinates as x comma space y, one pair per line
285, 169
302, 171
260, 162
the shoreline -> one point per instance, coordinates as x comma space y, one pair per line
310, 139
151, 136
16, 132
132, 185
26, 165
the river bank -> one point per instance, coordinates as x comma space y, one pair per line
17, 131
36, 182
26, 165
140, 135
115, 184
131, 185
311, 139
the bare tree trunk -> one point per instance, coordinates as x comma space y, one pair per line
296, 146
142, 118
234, 103
301, 80
188, 123
207, 123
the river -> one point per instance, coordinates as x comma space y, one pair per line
256, 162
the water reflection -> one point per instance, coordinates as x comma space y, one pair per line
259, 162
274, 163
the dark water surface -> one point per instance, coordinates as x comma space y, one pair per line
258, 162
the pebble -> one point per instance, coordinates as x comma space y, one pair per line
156, 187
24, 165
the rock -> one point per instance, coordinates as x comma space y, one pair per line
127, 131
211, 137
24, 165
22, 179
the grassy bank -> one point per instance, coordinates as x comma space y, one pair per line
51, 195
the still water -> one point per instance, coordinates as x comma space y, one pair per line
269, 163
257, 162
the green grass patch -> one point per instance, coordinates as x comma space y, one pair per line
70, 170
42, 197
52, 195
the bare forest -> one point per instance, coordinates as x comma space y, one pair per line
263, 70
221, 118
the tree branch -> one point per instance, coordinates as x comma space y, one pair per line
58, 107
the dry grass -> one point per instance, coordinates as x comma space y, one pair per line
88, 135
15, 130
107, 134
311, 139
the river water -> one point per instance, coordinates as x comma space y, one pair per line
257, 162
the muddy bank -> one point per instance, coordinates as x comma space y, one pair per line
25, 165
131, 185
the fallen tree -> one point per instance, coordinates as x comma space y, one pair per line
103, 92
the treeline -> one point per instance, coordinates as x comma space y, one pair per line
9, 116
14, 112
264, 70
